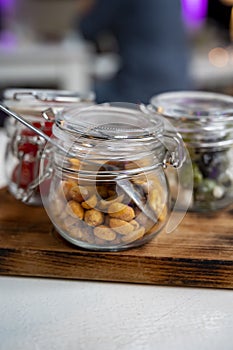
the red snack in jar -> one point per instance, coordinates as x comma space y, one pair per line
24, 175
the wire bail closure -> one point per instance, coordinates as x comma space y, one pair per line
174, 157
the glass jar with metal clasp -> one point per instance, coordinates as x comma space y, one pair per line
205, 121
108, 188
24, 146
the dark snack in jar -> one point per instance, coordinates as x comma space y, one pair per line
213, 177
205, 121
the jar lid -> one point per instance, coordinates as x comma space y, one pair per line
110, 122
193, 104
32, 102
206, 115
44, 95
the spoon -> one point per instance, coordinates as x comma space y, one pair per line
124, 184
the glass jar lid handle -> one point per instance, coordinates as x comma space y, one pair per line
16, 96
175, 155
50, 114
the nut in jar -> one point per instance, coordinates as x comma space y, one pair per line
108, 190
112, 221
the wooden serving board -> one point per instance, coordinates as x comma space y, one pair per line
198, 253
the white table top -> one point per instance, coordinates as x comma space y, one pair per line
56, 314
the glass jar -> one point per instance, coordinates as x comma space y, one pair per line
205, 121
108, 189
24, 147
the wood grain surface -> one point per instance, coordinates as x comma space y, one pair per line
198, 253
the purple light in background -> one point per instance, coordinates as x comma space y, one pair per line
194, 11
7, 5
8, 40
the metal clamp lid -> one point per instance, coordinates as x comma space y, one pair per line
49, 96
175, 154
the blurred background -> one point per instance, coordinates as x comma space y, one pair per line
80, 45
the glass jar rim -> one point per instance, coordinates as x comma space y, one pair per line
37, 96
34, 102
194, 105
110, 122
206, 118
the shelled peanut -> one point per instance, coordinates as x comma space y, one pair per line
103, 215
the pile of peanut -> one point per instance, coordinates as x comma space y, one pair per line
103, 215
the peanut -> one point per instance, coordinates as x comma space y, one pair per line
90, 203
121, 211
75, 232
163, 214
104, 204
87, 234
94, 217
69, 221
155, 200
135, 224
74, 209
104, 232
63, 215
99, 241
143, 220
65, 188
75, 163
78, 193
57, 207
120, 226
133, 236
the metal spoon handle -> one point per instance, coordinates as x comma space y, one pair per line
123, 183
